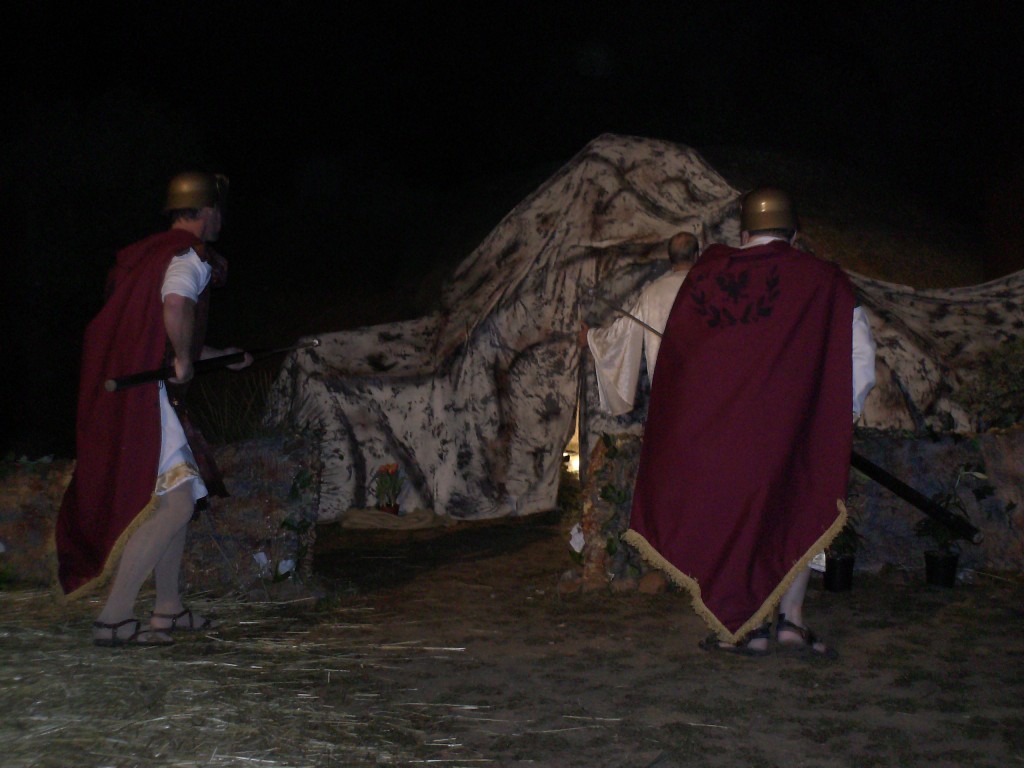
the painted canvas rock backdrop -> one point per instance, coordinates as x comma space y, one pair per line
477, 401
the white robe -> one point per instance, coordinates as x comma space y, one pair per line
617, 347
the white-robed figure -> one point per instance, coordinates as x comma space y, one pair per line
617, 348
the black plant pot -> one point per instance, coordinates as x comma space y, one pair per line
940, 568
838, 572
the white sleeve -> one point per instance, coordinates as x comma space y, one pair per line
863, 359
187, 275
654, 308
617, 349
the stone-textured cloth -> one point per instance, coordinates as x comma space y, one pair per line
931, 342
746, 452
478, 401
118, 433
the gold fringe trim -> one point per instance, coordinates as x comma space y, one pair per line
172, 478
767, 609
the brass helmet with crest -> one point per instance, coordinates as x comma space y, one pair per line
194, 190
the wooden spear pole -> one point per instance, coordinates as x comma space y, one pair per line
200, 366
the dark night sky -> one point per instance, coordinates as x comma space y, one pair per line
358, 135
415, 93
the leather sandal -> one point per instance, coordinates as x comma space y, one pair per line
134, 640
185, 622
742, 646
805, 647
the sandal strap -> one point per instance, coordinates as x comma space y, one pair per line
761, 633
114, 627
174, 618
116, 639
785, 625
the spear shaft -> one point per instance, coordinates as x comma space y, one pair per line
621, 311
200, 366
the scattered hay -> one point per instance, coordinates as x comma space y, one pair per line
275, 688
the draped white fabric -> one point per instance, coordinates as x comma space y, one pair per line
477, 401
929, 343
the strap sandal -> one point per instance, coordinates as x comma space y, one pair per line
808, 646
742, 646
140, 637
185, 622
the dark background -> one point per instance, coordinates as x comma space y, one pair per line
371, 147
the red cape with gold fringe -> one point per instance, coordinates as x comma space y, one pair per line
118, 433
746, 451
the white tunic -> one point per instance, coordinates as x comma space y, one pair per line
617, 348
187, 275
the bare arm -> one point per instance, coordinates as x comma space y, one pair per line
209, 352
180, 321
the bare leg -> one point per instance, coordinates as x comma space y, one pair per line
141, 554
167, 576
792, 603
791, 608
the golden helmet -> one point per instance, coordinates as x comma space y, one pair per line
767, 208
196, 190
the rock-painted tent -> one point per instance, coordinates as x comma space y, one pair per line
477, 401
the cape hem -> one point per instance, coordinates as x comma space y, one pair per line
767, 609
176, 475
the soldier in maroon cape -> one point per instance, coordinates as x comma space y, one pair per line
141, 464
745, 458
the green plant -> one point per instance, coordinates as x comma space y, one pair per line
846, 541
387, 484
941, 535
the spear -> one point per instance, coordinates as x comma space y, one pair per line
957, 524
621, 311
200, 366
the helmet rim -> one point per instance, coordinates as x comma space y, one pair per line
767, 208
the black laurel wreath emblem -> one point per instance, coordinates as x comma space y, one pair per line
731, 303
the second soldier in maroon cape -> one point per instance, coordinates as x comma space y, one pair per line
746, 450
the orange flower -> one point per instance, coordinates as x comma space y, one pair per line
387, 483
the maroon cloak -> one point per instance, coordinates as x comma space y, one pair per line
746, 450
118, 433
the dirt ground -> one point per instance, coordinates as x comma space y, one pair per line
458, 650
